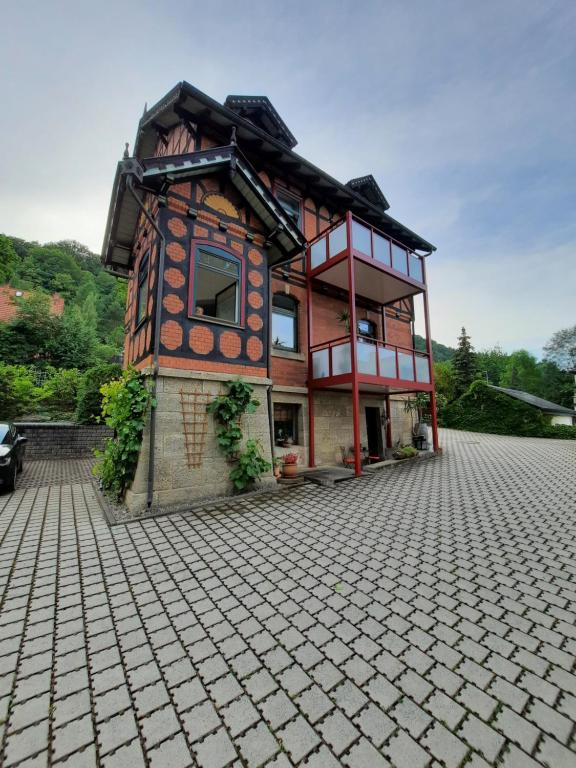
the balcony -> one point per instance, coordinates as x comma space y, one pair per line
384, 270
378, 365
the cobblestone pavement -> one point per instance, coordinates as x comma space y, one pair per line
424, 616
38, 472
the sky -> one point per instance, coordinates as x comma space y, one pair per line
464, 112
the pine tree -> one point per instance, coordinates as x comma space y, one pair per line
464, 363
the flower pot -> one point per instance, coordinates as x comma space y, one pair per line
289, 470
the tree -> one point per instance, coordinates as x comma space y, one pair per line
561, 349
492, 364
445, 380
8, 259
464, 362
74, 346
28, 337
556, 385
521, 372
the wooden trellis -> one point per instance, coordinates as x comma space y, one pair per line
195, 421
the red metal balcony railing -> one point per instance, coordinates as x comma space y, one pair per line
373, 358
366, 242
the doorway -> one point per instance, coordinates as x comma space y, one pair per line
374, 432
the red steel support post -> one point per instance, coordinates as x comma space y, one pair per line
435, 442
388, 422
311, 446
353, 345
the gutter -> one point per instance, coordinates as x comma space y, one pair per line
156, 342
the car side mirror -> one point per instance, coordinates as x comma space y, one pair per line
21, 439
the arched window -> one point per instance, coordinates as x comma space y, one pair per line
285, 322
216, 285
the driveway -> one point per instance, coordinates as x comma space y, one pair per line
423, 616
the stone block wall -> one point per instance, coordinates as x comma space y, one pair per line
52, 440
189, 466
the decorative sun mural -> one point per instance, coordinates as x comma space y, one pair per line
221, 204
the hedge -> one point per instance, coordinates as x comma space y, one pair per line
483, 409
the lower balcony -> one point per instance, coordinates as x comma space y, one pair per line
379, 366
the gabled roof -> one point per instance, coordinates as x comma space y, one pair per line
259, 110
185, 101
368, 188
537, 402
158, 173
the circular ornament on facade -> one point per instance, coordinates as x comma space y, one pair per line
255, 257
254, 348
201, 340
221, 204
255, 300
173, 303
174, 277
176, 251
255, 278
230, 344
177, 227
255, 322
171, 334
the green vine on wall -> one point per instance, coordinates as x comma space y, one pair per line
125, 402
228, 410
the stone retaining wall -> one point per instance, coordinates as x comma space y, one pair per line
53, 440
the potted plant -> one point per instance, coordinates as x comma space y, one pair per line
289, 466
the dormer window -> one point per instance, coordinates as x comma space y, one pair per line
291, 204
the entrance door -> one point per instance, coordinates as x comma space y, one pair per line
374, 432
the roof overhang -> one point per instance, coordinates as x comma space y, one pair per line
156, 175
185, 102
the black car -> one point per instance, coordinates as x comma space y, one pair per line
12, 449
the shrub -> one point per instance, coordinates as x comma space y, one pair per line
18, 394
125, 402
483, 409
89, 399
290, 458
57, 395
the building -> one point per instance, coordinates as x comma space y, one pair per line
9, 306
558, 414
244, 259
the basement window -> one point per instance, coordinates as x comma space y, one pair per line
286, 423
216, 287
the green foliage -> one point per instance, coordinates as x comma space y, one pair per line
125, 403
483, 409
89, 399
405, 452
18, 393
57, 396
492, 364
227, 410
8, 259
521, 372
561, 349
445, 380
440, 352
464, 362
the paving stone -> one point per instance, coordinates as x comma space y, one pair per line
364, 755
445, 746
200, 720
516, 758
338, 732
323, 758
128, 755
216, 751
553, 754
374, 724
404, 752
314, 703
159, 725
72, 737
481, 737
410, 717
173, 752
382, 692
550, 721
298, 738
26, 743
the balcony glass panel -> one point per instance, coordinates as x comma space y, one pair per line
381, 249
405, 366
366, 355
318, 253
422, 369
387, 362
341, 359
415, 267
337, 241
361, 238
320, 363
399, 261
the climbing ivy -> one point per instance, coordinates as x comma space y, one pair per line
228, 409
125, 402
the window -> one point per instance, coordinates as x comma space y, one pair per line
216, 285
291, 204
142, 296
285, 423
366, 328
285, 322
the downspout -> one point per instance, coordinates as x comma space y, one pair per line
156, 340
269, 367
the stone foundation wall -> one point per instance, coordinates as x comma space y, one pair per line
53, 440
191, 469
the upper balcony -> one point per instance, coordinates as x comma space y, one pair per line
383, 270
